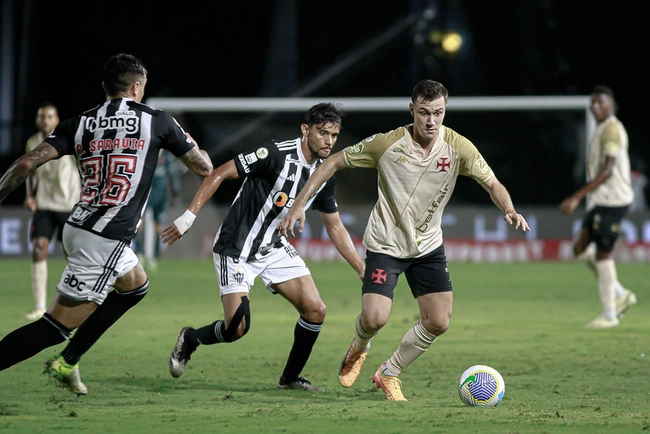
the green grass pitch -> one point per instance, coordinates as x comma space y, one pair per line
525, 320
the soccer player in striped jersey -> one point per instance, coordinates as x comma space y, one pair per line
248, 245
417, 166
116, 145
610, 194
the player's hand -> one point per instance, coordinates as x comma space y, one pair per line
517, 219
170, 234
569, 205
288, 223
30, 203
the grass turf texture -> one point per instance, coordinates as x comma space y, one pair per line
525, 320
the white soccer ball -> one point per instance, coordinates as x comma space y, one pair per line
481, 386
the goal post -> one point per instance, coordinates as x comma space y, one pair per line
367, 104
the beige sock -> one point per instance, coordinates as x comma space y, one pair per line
589, 258
39, 283
606, 278
414, 343
362, 338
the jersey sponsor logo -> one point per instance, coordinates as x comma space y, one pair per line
244, 163
402, 159
431, 210
131, 124
356, 149
80, 214
262, 153
250, 158
290, 250
74, 283
280, 199
444, 164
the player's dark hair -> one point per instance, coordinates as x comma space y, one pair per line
428, 90
603, 90
46, 104
121, 71
324, 112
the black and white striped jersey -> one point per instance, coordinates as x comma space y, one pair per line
116, 145
274, 175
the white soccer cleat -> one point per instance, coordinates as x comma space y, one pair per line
603, 323
624, 302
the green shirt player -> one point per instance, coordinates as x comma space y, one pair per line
417, 167
610, 195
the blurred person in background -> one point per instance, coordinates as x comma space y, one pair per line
417, 168
609, 196
248, 244
116, 145
165, 187
52, 191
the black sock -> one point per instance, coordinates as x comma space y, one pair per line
30, 339
112, 309
304, 337
206, 335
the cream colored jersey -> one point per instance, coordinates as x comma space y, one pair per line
59, 183
610, 138
413, 190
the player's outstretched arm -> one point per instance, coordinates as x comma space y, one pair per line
197, 160
25, 166
206, 190
343, 241
501, 198
297, 212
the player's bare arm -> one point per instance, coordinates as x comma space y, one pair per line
25, 166
197, 160
297, 212
501, 198
343, 241
206, 190
571, 203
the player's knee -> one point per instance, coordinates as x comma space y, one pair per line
39, 251
316, 314
239, 324
436, 326
373, 323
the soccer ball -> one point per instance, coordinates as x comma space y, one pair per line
481, 386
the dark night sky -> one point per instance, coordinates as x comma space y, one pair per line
219, 49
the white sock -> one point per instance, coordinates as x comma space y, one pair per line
39, 283
414, 343
606, 278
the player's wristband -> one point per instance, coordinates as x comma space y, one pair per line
184, 222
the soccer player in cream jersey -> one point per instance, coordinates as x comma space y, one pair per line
417, 167
52, 191
610, 194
